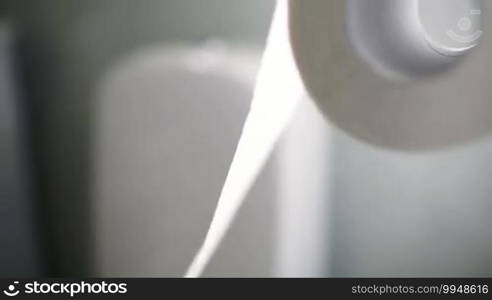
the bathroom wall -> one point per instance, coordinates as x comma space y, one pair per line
349, 208
65, 48
403, 213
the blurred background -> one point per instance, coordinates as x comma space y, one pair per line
90, 89
118, 121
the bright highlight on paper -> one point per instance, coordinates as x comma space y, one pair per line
278, 89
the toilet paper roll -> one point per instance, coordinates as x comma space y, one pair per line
426, 113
